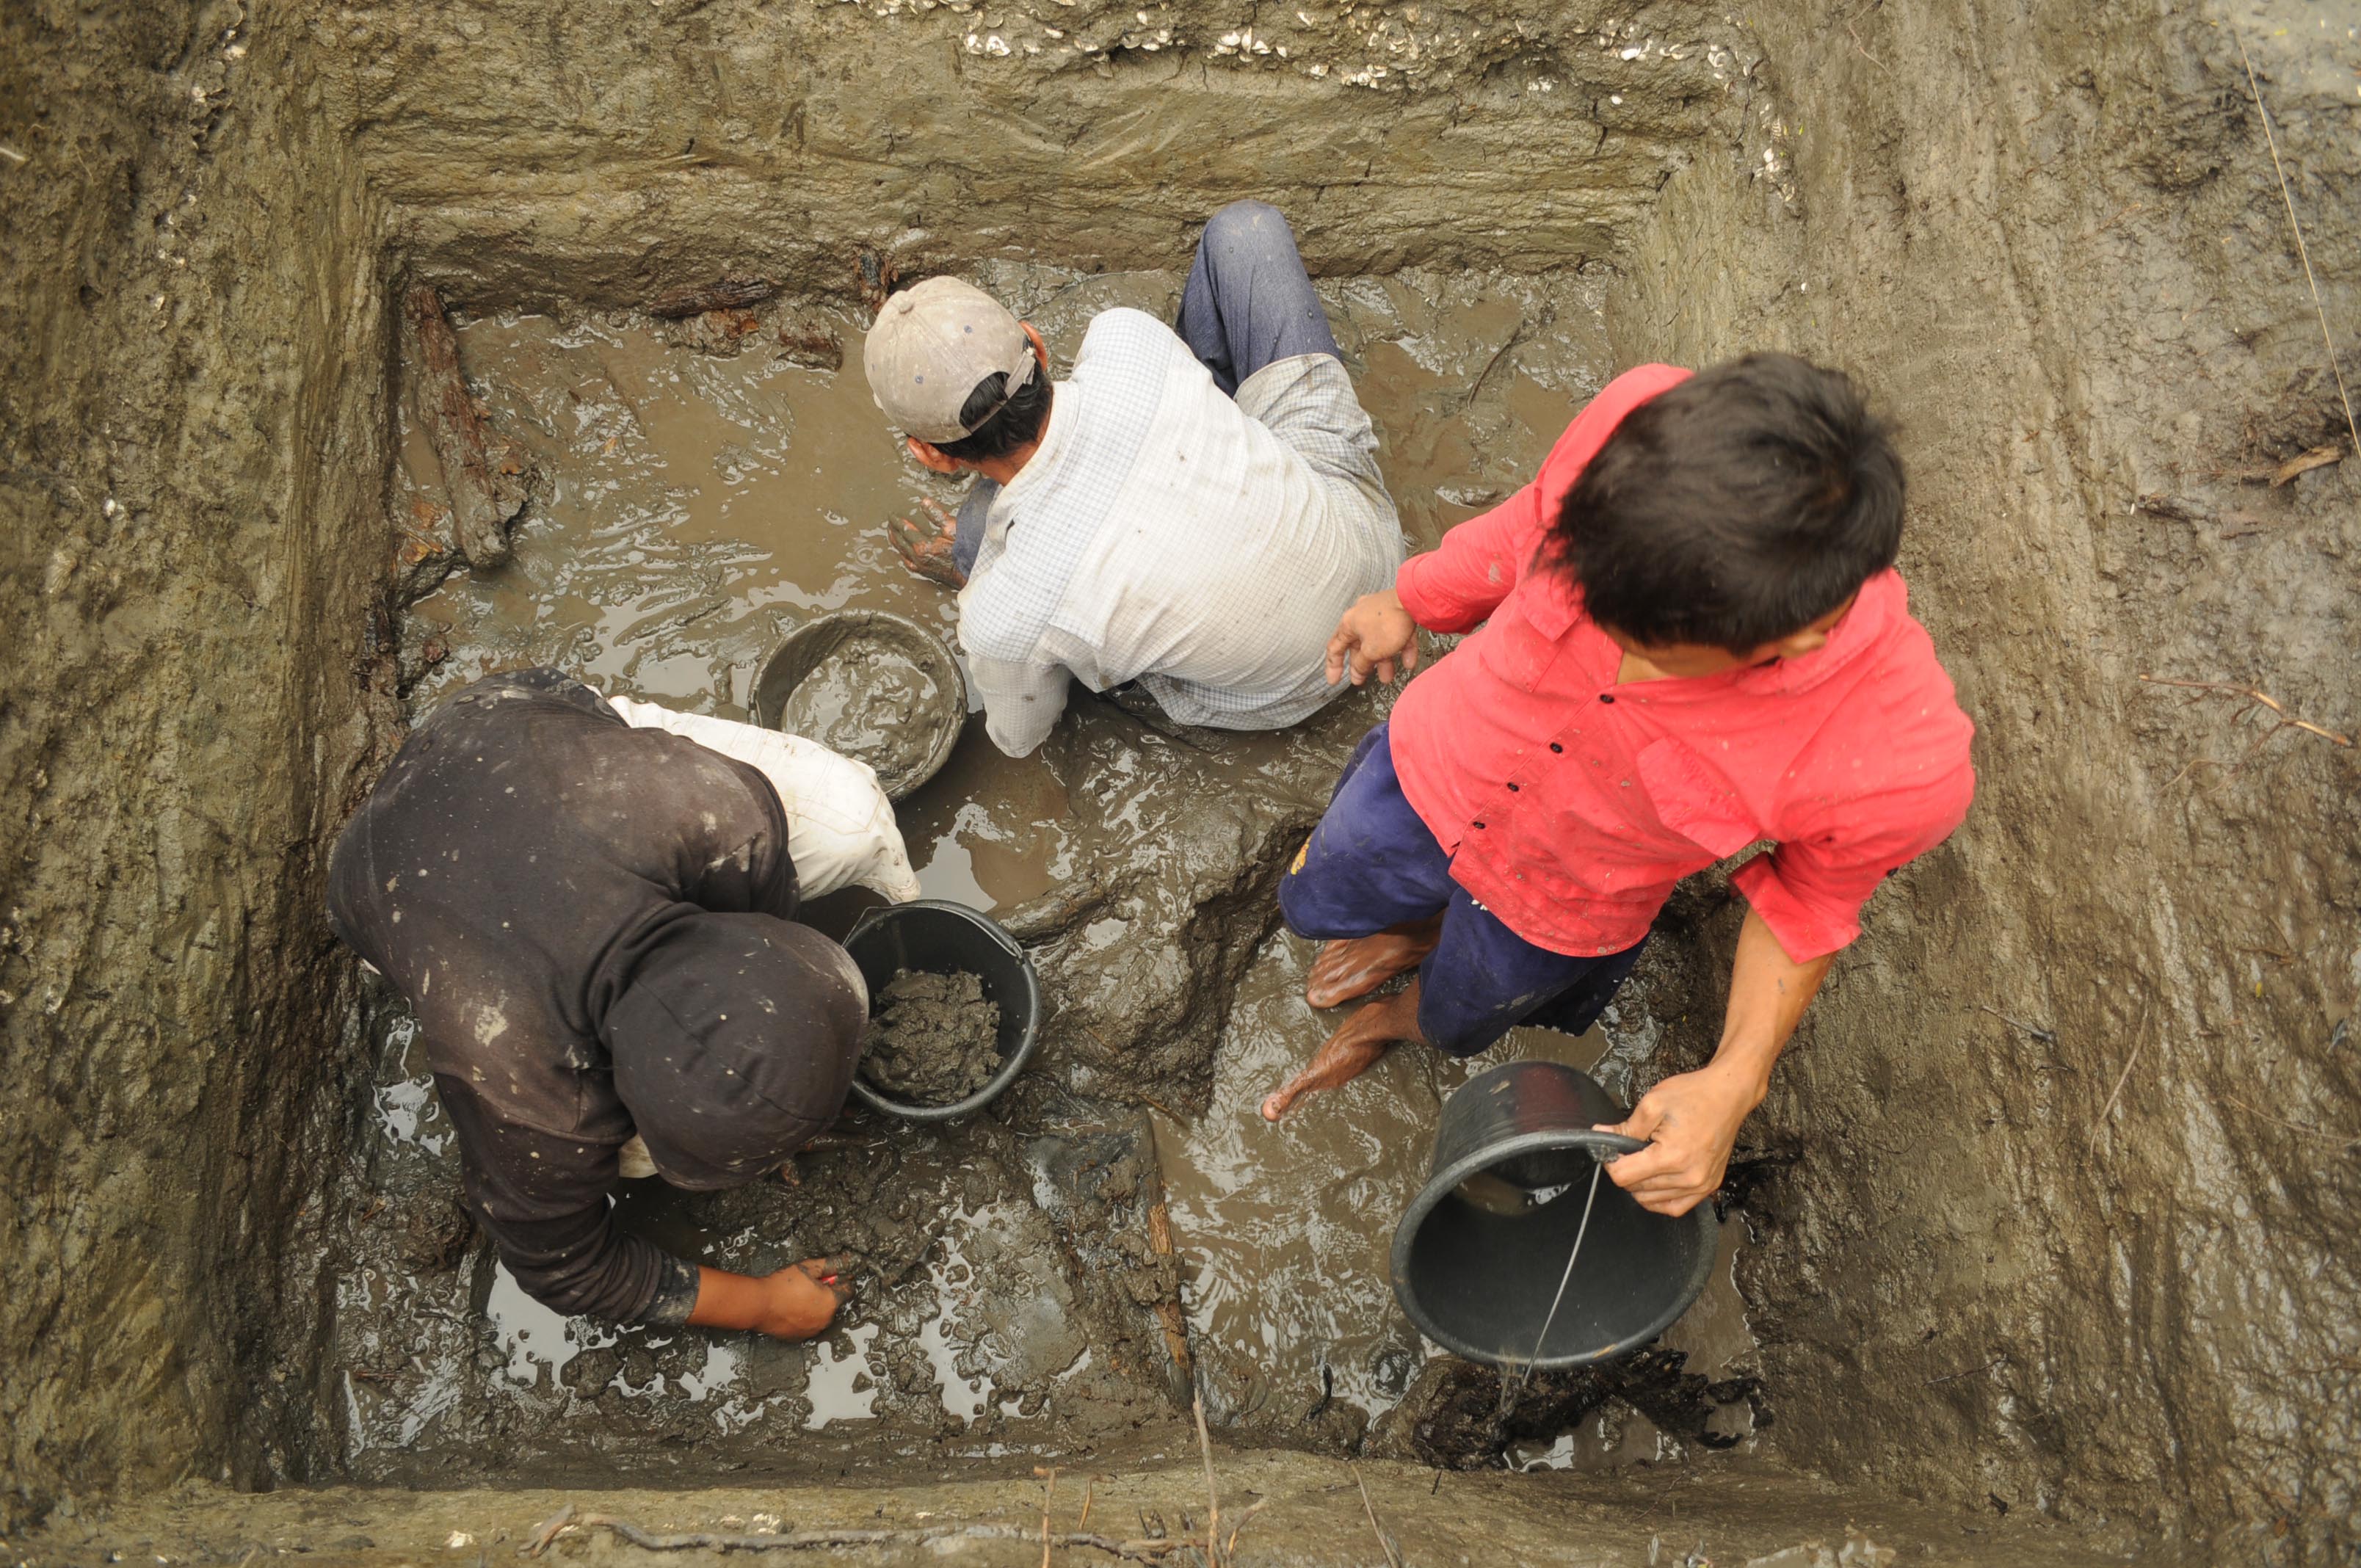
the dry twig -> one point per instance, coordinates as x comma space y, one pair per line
2286, 720
546, 1531
1213, 1497
1862, 50
1970, 1371
1049, 1489
1385, 1543
2120, 1079
2230, 688
2327, 338
1231, 1550
822, 1539
2304, 463
2341, 1140
2119, 217
2046, 1036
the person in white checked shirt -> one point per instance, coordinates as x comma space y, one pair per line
1192, 509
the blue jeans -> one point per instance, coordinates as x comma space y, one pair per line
1247, 303
1372, 864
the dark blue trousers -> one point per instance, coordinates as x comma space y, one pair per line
1372, 862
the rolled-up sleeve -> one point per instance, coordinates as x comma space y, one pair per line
1810, 890
542, 1201
1022, 701
1455, 585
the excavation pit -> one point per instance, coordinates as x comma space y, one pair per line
691, 505
2040, 1246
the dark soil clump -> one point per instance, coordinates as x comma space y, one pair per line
933, 1039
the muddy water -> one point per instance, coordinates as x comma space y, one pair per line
692, 508
1286, 1229
968, 1334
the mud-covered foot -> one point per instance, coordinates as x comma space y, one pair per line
1351, 1051
927, 554
1358, 965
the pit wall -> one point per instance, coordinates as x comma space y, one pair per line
2097, 1260
594, 155
193, 360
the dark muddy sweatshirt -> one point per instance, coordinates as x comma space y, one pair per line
592, 923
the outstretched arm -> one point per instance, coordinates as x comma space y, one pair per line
542, 1201
1694, 1117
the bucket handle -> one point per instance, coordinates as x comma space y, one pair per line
1605, 1147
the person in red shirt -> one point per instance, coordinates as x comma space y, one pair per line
1686, 637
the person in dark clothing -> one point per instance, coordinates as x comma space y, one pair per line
594, 923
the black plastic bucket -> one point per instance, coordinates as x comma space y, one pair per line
935, 730
937, 937
1478, 1257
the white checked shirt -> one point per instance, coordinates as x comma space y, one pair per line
1166, 534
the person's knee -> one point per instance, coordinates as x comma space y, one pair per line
1245, 228
1298, 912
1313, 911
1454, 1030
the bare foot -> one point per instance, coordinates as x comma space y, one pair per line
1351, 1051
1358, 965
926, 554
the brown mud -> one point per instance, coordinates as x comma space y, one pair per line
2048, 1218
1284, 1233
867, 702
931, 1039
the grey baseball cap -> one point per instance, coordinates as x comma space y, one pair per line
933, 341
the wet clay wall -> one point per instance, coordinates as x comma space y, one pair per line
2056, 1211
2085, 1261
193, 391
598, 154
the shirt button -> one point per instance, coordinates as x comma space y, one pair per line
1477, 825
1607, 696
1555, 747
1512, 789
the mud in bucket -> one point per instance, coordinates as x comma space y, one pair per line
1478, 1255
937, 936
898, 706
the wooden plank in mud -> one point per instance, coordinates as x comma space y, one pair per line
487, 490
721, 294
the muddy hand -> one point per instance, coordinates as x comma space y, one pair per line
803, 1297
1691, 1120
926, 555
1376, 634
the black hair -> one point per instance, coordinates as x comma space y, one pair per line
996, 428
1734, 509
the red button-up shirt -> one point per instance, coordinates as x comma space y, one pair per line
1572, 803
